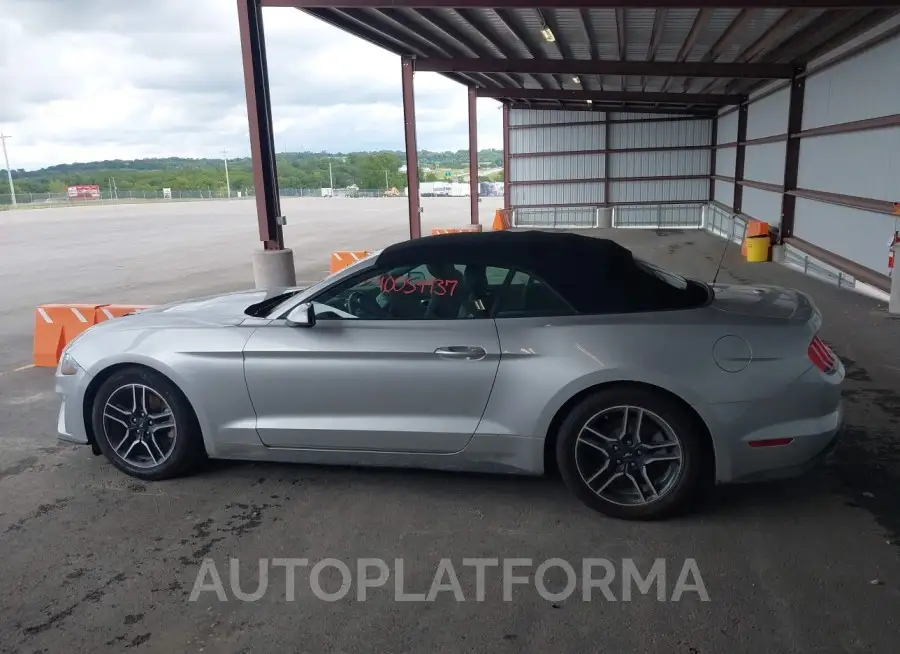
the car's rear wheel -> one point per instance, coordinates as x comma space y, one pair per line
144, 425
631, 453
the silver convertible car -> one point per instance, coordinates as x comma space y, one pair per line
510, 352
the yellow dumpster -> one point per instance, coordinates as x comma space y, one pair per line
757, 249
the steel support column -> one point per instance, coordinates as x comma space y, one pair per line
714, 140
607, 138
473, 156
792, 154
407, 66
739, 155
259, 115
506, 175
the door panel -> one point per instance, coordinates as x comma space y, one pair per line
372, 385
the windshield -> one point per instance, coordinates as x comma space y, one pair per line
670, 278
350, 270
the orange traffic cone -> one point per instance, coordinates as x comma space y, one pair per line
499, 221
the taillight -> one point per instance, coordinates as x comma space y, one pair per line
821, 356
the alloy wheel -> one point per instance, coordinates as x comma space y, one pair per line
628, 455
139, 426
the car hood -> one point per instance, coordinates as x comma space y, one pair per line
225, 309
763, 302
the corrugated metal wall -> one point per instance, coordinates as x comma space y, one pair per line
864, 164
554, 156
567, 139
765, 162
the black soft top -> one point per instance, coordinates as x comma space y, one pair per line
594, 275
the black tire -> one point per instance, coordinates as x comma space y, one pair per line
187, 451
683, 490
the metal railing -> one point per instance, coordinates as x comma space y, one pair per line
725, 224
689, 215
556, 217
46, 200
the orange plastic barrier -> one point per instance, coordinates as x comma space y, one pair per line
54, 326
343, 258
754, 228
110, 311
455, 230
501, 220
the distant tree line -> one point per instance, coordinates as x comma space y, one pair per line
367, 170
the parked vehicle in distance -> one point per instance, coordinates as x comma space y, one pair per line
508, 352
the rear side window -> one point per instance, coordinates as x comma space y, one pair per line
526, 296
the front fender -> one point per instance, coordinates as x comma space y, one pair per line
205, 364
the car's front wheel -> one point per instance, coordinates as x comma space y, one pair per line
631, 453
144, 425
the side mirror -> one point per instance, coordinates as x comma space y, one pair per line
302, 315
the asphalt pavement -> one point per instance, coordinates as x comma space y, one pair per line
94, 561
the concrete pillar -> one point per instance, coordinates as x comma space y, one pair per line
274, 269
894, 305
778, 253
604, 217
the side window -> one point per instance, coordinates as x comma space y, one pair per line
529, 297
427, 291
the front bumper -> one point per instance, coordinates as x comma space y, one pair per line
70, 423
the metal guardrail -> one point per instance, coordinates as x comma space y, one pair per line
659, 216
725, 224
729, 225
816, 268
556, 218
48, 200
643, 216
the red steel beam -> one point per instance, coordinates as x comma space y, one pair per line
701, 20
506, 139
597, 67
407, 67
792, 154
473, 156
713, 139
739, 158
582, 123
851, 201
607, 180
715, 99
259, 116
614, 108
578, 4
659, 25
883, 122
607, 164
604, 151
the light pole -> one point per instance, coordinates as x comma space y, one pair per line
227, 179
331, 178
12, 188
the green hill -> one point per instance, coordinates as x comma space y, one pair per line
369, 170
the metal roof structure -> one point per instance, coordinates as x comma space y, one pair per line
692, 57
664, 56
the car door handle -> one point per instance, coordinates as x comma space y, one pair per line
461, 352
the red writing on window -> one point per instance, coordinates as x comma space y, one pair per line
407, 286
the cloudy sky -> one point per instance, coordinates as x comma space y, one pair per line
82, 80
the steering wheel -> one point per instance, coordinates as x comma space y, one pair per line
354, 302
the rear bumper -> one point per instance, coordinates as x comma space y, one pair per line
812, 440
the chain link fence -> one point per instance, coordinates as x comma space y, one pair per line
48, 200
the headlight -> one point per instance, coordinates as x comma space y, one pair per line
67, 365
